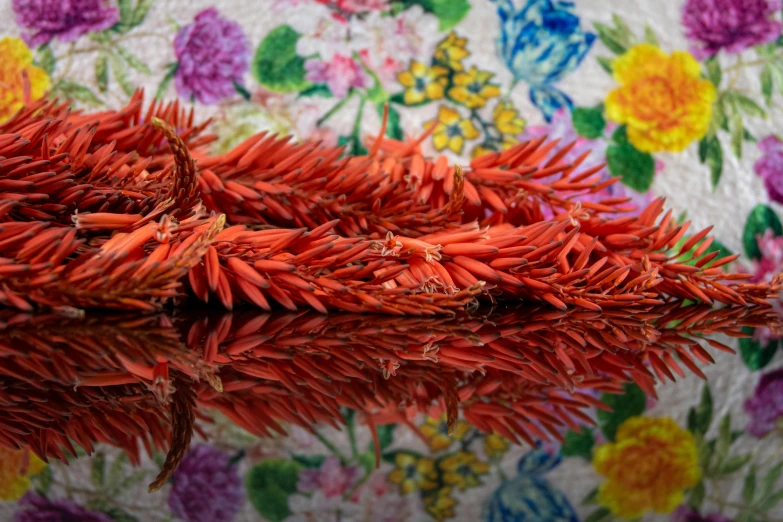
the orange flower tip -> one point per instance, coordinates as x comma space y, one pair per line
104, 220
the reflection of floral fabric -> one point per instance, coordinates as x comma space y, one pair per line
662, 98
437, 432
648, 467
463, 470
451, 51
422, 83
412, 473
529, 497
765, 408
731, 25
686, 514
65, 20
332, 478
213, 55
35, 508
472, 88
770, 167
440, 505
17, 69
540, 43
206, 487
16, 468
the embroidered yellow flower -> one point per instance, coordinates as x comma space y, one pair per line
507, 119
422, 82
17, 74
472, 88
495, 446
16, 468
437, 432
662, 99
412, 473
440, 505
648, 467
451, 130
451, 51
462, 470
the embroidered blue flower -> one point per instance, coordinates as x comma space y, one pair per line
529, 497
540, 43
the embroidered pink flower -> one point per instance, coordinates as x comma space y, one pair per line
357, 6
764, 269
765, 408
340, 74
770, 167
332, 478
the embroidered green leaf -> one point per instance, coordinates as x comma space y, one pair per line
276, 64
605, 63
771, 501
393, 127
118, 70
591, 498
316, 89
589, 122
733, 464
636, 168
777, 75
448, 12
736, 128
132, 60
140, 11
713, 155
269, 485
610, 38
748, 105
120, 515
76, 92
579, 444
102, 73
43, 481
126, 15
770, 480
649, 36
309, 461
700, 418
166, 80
723, 442
760, 219
46, 58
630, 404
385, 437
600, 515
98, 471
749, 486
754, 355
767, 84
713, 71
696, 496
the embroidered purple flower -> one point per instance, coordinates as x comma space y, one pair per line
770, 166
65, 19
733, 25
340, 74
332, 478
35, 508
206, 487
213, 55
686, 514
765, 408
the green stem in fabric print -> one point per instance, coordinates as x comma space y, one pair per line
337, 108
331, 447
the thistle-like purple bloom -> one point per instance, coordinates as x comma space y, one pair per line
65, 19
213, 55
766, 406
770, 167
35, 508
207, 488
732, 25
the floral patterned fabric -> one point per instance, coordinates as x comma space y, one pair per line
679, 98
